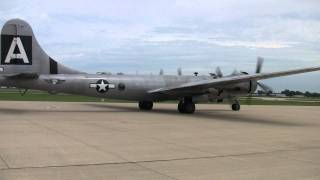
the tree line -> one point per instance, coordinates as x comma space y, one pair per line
289, 93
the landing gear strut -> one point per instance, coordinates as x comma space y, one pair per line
235, 106
145, 105
186, 106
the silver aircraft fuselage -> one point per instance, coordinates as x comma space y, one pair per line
122, 87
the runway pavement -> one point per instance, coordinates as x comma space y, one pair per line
99, 141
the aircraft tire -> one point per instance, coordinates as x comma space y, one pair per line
190, 108
146, 105
181, 107
186, 107
235, 107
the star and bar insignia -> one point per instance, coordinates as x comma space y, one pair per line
102, 86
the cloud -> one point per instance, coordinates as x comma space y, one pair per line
224, 43
198, 35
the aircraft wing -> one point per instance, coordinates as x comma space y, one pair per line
212, 83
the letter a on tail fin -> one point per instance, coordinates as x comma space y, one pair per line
22, 54
17, 52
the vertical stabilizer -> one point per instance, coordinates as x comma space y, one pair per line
21, 53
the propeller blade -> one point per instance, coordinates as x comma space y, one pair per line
219, 72
267, 89
179, 71
161, 72
259, 64
235, 72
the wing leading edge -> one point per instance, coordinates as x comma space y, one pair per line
232, 80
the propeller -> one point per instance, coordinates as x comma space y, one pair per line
179, 71
235, 72
219, 72
161, 72
267, 89
259, 64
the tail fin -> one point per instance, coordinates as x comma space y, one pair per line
21, 53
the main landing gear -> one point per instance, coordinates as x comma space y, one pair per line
186, 106
235, 106
146, 105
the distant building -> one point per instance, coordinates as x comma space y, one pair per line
104, 73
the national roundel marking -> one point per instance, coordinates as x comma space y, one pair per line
102, 86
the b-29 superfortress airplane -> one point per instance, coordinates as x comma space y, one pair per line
25, 65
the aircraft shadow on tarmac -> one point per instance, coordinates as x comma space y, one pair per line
208, 114
26, 111
202, 114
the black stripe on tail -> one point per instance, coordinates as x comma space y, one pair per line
53, 66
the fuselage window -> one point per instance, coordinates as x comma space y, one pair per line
121, 87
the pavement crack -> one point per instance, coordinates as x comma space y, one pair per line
162, 160
92, 146
4, 162
155, 171
79, 141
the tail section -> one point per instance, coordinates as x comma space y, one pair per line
21, 53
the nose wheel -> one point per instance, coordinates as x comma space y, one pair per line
186, 107
236, 106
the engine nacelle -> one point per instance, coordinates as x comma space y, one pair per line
253, 85
200, 98
233, 90
242, 88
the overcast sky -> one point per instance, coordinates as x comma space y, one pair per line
197, 35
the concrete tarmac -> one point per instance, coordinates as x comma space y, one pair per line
99, 141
